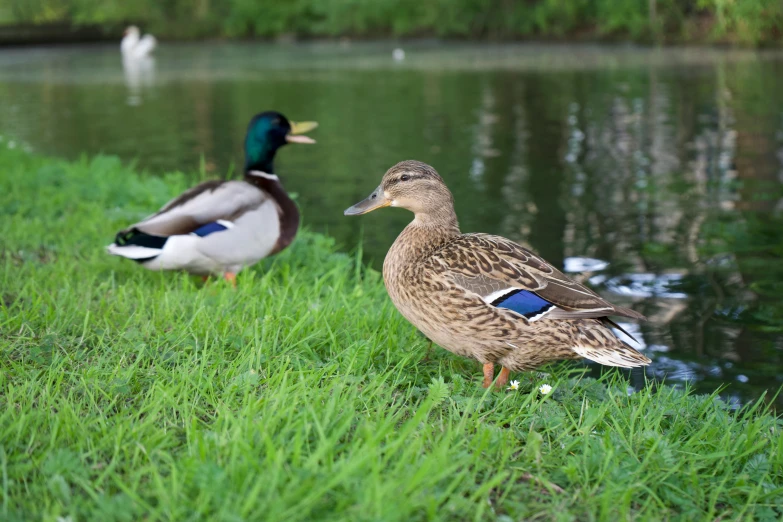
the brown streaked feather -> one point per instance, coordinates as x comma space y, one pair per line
479, 284
481, 261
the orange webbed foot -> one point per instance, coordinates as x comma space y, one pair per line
502, 378
489, 373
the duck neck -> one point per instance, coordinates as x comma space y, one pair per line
259, 154
261, 162
425, 234
287, 209
438, 219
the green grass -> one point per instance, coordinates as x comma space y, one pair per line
303, 395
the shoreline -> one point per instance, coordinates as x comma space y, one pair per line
63, 33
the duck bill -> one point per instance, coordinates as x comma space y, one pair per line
372, 202
298, 128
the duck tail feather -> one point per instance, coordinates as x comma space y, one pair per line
137, 245
623, 356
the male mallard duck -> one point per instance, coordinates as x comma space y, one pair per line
484, 296
219, 227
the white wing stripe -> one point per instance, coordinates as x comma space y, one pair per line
543, 314
494, 296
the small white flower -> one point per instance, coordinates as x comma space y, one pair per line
513, 385
252, 372
545, 389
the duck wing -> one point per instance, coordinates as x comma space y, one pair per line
145, 46
210, 202
507, 275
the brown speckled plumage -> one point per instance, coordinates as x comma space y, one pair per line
440, 280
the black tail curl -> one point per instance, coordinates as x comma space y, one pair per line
135, 236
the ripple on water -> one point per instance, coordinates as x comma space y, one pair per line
584, 264
644, 285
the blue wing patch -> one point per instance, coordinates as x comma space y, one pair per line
209, 228
524, 303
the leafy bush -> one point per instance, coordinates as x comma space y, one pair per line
750, 22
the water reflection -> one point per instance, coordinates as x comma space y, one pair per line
139, 74
584, 264
655, 175
642, 285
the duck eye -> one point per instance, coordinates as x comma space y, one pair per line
404, 177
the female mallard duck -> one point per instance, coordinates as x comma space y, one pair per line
484, 296
219, 227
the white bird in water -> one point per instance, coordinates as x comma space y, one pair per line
398, 55
134, 45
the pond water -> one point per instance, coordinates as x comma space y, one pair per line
656, 175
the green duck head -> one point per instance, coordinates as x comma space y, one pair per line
267, 132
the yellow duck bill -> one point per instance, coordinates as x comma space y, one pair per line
298, 128
373, 201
